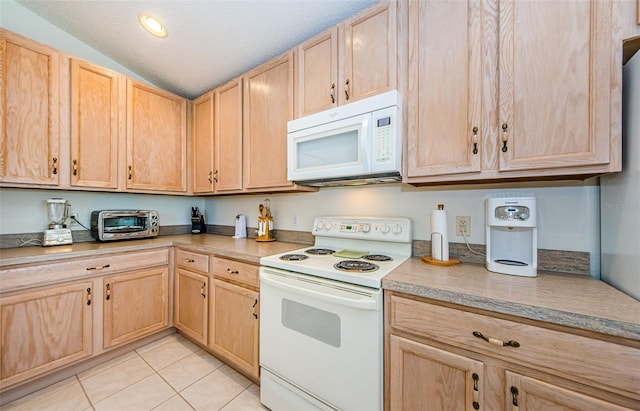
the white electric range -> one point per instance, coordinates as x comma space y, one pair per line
321, 315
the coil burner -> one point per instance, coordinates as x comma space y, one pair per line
319, 251
294, 257
377, 257
355, 266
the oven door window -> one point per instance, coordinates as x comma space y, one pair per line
318, 324
125, 224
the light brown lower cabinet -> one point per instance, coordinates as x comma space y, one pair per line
439, 359
234, 325
192, 304
135, 304
44, 329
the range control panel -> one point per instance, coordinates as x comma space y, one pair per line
364, 228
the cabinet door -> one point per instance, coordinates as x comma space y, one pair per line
156, 139
445, 88
43, 330
135, 304
29, 105
234, 325
228, 137
429, 379
368, 52
192, 305
95, 125
203, 123
317, 73
528, 394
555, 83
268, 105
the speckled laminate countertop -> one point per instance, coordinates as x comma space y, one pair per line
243, 249
581, 302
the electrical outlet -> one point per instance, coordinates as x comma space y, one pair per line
463, 224
74, 218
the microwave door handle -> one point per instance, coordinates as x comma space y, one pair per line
366, 142
359, 301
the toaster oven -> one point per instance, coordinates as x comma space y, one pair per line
111, 225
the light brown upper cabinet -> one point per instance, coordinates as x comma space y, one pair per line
445, 88
97, 118
228, 137
30, 104
544, 107
351, 61
202, 160
156, 139
268, 106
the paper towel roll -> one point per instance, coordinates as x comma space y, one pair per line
439, 236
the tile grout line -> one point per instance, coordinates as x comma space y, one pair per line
84, 391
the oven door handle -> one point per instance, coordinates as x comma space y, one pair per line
347, 298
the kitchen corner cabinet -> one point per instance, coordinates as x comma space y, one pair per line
350, 61
97, 117
156, 139
268, 106
447, 357
135, 304
234, 314
545, 106
30, 103
44, 329
217, 140
191, 301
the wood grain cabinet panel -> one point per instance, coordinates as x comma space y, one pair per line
135, 304
156, 139
29, 121
192, 304
228, 137
202, 159
96, 117
234, 325
44, 330
350, 61
268, 106
445, 88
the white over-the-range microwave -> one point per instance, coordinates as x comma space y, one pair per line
357, 143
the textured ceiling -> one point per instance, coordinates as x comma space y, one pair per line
210, 41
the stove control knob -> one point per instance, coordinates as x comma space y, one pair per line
319, 226
384, 229
397, 229
366, 228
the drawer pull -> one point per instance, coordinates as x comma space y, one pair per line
476, 393
108, 291
514, 400
190, 260
98, 267
89, 296
495, 341
202, 290
230, 271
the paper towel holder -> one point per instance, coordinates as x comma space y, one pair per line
440, 236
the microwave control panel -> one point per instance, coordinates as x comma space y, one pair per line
383, 130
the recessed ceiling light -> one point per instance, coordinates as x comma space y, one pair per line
153, 25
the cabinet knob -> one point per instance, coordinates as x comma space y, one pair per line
505, 137
333, 89
108, 291
89, 296
75, 167
514, 398
215, 176
346, 89
210, 177
130, 172
55, 165
475, 139
202, 293
476, 392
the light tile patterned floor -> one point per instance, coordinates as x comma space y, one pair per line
170, 374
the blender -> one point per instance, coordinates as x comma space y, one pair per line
58, 233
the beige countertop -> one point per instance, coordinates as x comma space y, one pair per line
581, 302
243, 249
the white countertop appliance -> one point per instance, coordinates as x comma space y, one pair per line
58, 233
321, 315
512, 236
358, 143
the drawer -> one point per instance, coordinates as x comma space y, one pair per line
235, 271
192, 261
35, 275
567, 355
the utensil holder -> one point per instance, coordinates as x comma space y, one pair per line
265, 229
